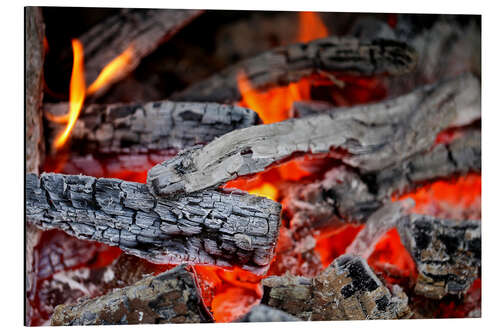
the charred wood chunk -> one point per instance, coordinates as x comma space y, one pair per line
34, 58
459, 156
346, 290
170, 297
373, 137
124, 128
263, 313
138, 32
447, 253
210, 227
287, 64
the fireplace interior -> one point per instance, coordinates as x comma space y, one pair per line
220, 166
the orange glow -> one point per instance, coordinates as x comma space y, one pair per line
311, 27
76, 92
274, 104
265, 190
112, 70
448, 196
228, 293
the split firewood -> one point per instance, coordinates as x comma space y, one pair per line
211, 227
34, 58
287, 64
345, 195
370, 137
124, 128
447, 253
133, 32
263, 313
170, 297
346, 290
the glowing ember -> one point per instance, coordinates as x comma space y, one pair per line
456, 198
311, 27
265, 190
76, 92
111, 72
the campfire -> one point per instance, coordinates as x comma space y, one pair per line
287, 166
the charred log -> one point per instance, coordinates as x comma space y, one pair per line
447, 253
34, 58
344, 195
287, 64
263, 313
211, 227
124, 128
347, 290
171, 297
371, 137
138, 31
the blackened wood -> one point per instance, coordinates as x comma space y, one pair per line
34, 58
263, 313
35, 145
346, 290
211, 227
287, 64
447, 253
373, 137
141, 29
124, 128
170, 297
345, 195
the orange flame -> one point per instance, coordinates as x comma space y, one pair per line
78, 88
76, 92
112, 70
311, 27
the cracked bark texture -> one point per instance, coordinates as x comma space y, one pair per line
142, 29
263, 313
369, 137
170, 297
34, 58
447, 253
34, 144
346, 290
211, 227
287, 64
345, 195
130, 128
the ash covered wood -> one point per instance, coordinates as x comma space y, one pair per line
345, 195
263, 313
346, 290
211, 227
34, 58
447, 253
124, 128
138, 30
287, 64
170, 297
370, 137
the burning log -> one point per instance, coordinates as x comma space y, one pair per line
346, 290
120, 128
34, 58
170, 297
263, 313
373, 137
447, 253
288, 64
211, 227
133, 34
344, 195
